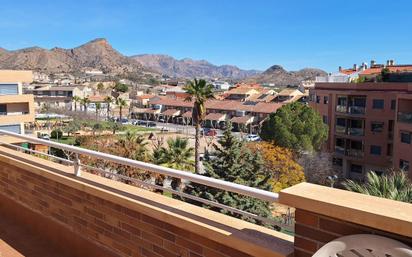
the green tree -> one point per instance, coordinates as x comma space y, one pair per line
76, 100
199, 92
100, 87
120, 88
85, 101
231, 160
133, 146
295, 126
121, 103
177, 155
395, 185
98, 108
72, 127
384, 76
56, 134
108, 100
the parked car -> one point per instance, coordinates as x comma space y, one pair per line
253, 138
162, 120
211, 133
151, 124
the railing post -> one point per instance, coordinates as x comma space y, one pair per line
76, 165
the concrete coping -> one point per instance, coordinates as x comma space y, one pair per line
375, 212
241, 235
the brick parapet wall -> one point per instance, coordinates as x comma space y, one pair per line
107, 224
312, 231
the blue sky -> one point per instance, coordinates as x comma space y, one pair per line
250, 34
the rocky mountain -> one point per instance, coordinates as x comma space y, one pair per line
189, 68
281, 78
97, 54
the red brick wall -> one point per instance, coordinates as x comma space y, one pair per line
312, 231
120, 230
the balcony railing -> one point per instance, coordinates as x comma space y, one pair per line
356, 110
340, 150
354, 153
405, 117
341, 108
356, 131
340, 129
76, 152
13, 113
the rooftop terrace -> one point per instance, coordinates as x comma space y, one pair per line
83, 214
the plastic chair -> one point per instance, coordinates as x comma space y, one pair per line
364, 245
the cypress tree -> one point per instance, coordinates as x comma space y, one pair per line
232, 161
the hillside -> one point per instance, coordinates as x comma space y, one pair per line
280, 77
98, 54
188, 68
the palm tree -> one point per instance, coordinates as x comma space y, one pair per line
98, 108
199, 92
121, 103
134, 146
85, 102
76, 100
177, 155
395, 186
108, 100
100, 87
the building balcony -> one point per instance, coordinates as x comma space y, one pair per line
354, 110
355, 153
80, 213
356, 131
405, 117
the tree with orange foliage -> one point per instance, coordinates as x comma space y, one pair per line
278, 160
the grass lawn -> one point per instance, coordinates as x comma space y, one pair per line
134, 128
66, 140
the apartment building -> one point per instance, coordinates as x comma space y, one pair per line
370, 125
50, 96
16, 108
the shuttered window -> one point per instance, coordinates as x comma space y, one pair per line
9, 89
11, 128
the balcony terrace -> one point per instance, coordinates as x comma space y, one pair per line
81, 211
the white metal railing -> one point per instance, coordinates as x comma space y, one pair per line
207, 181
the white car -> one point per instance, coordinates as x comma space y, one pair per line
253, 138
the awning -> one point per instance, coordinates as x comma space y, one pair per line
187, 114
243, 120
171, 112
216, 116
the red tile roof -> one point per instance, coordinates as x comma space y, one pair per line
242, 120
226, 105
215, 116
396, 68
145, 96
171, 112
187, 114
348, 71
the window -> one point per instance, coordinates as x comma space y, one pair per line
325, 99
12, 128
3, 109
403, 165
377, 126
406, 137
355, 168
375, 150
393, 104
389, 150
325, 119
9, 89
317, 99
342, 101
378, 104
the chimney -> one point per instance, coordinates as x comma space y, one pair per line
392, 62
364, 66
388, 63
355, 67
373, 62
340, 68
